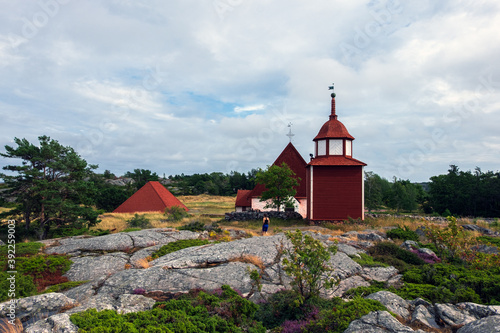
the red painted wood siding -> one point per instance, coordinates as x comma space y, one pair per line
337, 192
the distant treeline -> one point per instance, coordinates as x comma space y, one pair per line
215, 183
458, 193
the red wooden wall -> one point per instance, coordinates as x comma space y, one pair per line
337, 192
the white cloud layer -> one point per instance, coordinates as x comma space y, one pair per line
200, 86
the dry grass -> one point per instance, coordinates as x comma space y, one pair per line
7, 327
249, 259
197, 204
142, 263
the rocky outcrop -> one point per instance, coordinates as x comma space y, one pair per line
378, 322
115, 267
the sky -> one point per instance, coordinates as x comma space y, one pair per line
212, 85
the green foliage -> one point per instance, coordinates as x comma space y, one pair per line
109, 197
282, 306
337, 319
280, 183
306, 262
70, 232
393, 255
40, 263
489, 240
463, 284
139, 221
366, 260
141, 177
214, 183
193, 226
453, 243
24, 286
50, 185
403, 233
198, 311
178, 245
175, 213
22, 249
466, 193
64, 286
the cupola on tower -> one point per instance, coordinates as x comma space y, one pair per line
335, 180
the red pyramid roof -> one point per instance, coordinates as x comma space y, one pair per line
152, 197
296, 163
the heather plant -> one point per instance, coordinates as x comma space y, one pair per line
307, 263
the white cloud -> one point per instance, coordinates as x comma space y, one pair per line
182, 87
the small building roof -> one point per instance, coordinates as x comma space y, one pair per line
243, 198
336, 160
152, 197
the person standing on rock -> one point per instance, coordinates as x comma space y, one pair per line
265, 224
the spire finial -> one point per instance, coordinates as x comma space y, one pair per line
333, 115
290, 134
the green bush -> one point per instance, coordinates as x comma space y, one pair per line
198, 311
22, 249
176, 213
393, 255
366, 260
178, 245
36, 265
64, 286
403, 233
279, 307
193, 226
24, 286
139, 221
337, 319
466, 285
489, 240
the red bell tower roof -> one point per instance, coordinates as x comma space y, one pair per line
333, 129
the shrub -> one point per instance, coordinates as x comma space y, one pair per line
466, 285
366, 260
306, 262
403, 233
63, 286
24, 286
175, 213
178, 245
193, 226
197, 311
387, 252
488, 240
280, 307
337, 319
139, 221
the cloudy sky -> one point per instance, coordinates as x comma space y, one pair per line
211, 85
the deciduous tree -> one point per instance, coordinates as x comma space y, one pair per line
280, 183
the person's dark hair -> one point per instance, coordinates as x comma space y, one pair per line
265, 215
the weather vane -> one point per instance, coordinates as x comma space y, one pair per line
331, 87
290, 134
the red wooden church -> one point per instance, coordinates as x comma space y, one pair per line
332, 183
335, 180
